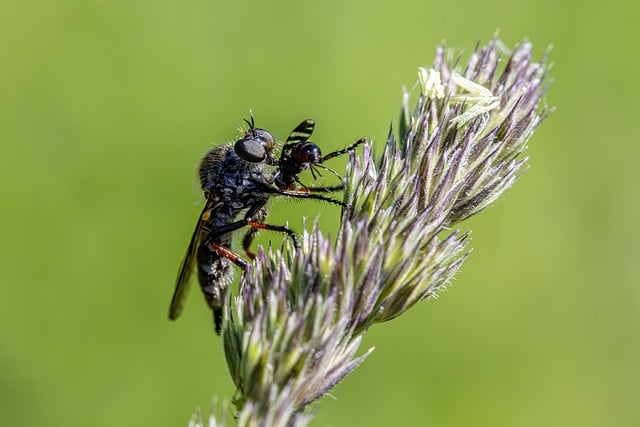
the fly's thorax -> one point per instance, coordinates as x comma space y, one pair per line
214, 162
231, 183
222, 167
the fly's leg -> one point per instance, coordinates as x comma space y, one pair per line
279, 228
229, 254
254, 218
257, 223
259, 217
304, 195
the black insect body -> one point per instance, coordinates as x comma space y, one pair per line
299, 154
235, 179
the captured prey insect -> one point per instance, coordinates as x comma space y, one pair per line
299, 154
235, 179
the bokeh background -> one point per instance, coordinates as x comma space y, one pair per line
106, 108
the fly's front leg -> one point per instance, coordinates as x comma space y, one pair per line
305, 195
280, 228
256, 222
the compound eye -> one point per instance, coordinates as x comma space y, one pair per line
266, 138
250, 149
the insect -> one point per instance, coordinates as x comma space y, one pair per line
235, 179
299, 154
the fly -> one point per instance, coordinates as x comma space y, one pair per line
235, 179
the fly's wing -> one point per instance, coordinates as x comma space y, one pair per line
301, 133
182, 282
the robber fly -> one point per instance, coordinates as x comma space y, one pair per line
235, 179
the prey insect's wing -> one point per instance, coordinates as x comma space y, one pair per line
301, 133
182, 282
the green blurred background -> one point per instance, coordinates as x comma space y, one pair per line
106, 109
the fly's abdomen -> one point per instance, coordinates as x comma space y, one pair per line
214, 275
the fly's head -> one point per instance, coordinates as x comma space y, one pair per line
256, 146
